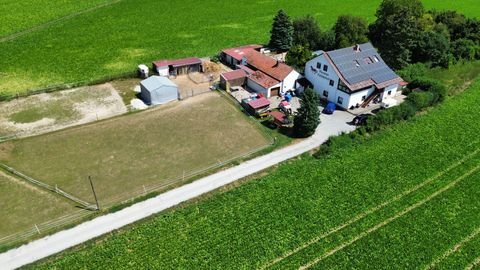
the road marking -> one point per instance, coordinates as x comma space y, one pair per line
49, 23
368, 212
474, 264
389, 220
454, 248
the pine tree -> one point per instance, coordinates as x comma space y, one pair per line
307, 119
282, 32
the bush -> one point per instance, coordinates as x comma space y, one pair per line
421, 99
438, 89
413, 72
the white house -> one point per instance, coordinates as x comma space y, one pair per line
352, 77
266, 75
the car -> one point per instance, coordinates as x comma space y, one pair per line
330, 108
361, 119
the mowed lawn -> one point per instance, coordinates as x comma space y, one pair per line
405, 198
125, 154
116, 38
22, 206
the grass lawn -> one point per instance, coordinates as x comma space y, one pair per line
126, 154
458, 77
22, 206
401, 199
116, 38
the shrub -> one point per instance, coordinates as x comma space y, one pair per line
421, 99
413, 72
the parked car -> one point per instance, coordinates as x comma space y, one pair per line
361, 119
330, 108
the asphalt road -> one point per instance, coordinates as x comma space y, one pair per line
331, 125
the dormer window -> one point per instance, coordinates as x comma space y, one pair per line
375, 59
357, 64
368, 60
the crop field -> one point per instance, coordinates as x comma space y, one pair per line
129, 155
407, 198
22, 206
116, 38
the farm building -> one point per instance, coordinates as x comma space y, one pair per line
177, 67
352, 77
266, 75
158, 90
233, 78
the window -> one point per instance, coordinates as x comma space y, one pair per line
342, 87
375, 59
368, 60
357, 64
340, 100
319, 66
325, 68
325, 93
389, 92
332, 82
364, 97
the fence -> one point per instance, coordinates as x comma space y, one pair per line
8, 138
55, 189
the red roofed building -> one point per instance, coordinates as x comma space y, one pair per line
233, 78
177, 67
268, 76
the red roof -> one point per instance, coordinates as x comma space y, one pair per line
233, 75
263, 79
259, 103
178, 62
268, 65
278, 116
239, 52
245, 68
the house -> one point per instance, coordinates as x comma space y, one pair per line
158, 90
177, 67
352, 77
265, 74
233, 78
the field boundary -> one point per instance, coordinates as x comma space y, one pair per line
454, 249
369, 211
475, 263
389, 220
48, 187
44, 25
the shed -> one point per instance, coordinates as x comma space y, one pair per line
233, 78
178, 67
158, 90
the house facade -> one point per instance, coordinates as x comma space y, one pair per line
352, 77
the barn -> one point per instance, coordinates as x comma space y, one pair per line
177, 67
158, 90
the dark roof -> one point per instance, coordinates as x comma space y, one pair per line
361, 66
259, 103
178, 62
268, 65
233, 75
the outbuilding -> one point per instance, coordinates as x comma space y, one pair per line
177, 67
233, 78
158, 90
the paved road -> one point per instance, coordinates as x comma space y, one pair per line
47, 246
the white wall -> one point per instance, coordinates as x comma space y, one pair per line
321, 79
162, 71
289, 82
393, 88
258, 88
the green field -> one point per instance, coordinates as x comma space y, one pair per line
402, 199
116, 38
130, 154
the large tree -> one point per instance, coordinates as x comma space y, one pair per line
350, 30
281, 38
307, 32
396, 30
298, 56
433, 48
307, 119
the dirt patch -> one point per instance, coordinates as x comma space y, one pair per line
53, 111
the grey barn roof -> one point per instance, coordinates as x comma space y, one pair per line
155, 82
361, 65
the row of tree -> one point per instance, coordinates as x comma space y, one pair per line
404, 32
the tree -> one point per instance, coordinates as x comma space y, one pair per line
350, 30
464, 49
327, 41
455, 22
433, 48
306, 32
298, 56
282, 32
396, 30
308, 117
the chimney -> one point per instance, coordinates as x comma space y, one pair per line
356, 48
278, 63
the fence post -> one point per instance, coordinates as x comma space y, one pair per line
94, 194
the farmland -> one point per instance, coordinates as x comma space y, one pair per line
115, 38
132, 154
405, 197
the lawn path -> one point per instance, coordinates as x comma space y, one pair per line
369, 211
389, 220
52, 22
474, 264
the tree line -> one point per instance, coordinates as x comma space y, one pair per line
404, 32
